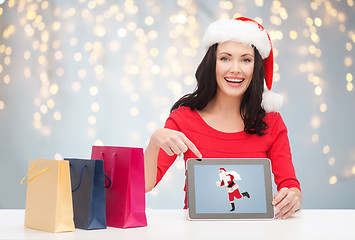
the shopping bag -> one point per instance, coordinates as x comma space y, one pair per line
88, 190
125, 198
49, 199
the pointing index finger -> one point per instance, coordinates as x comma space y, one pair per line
192, 147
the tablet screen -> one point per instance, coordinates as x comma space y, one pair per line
233, 188
211, 198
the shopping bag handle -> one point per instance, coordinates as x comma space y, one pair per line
109, 181
81, 177
114, 157
29, 180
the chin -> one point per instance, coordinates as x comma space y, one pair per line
235, 94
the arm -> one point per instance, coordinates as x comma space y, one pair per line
289, 196
219, 184
150, 165
173, 143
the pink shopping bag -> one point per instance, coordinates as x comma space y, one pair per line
125, 198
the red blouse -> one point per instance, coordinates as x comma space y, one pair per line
215, 144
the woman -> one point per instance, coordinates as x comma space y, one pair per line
228, 116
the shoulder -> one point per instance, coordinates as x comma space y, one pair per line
182, 113
179, 118
272, 116
274, 121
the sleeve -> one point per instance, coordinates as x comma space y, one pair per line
164, 160
232, 177
235, 175
280, 155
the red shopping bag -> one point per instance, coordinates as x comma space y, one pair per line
125, 198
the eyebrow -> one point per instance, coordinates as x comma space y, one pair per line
245, 54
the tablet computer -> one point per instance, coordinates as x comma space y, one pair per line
229, 188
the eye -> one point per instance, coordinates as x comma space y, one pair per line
224, 59
247, 60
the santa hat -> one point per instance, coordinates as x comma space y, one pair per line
251, 33
222, 169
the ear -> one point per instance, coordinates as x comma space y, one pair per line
271, 102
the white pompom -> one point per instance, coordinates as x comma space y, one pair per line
271, 102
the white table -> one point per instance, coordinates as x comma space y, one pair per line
173, 224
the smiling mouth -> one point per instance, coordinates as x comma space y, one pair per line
234, 80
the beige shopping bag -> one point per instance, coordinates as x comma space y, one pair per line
49, 204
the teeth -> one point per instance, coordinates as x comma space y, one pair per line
234, 80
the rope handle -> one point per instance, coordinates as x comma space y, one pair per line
109, 181
29, 180
114, 156
81, 177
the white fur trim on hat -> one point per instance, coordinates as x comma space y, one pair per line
271, 102
245, 32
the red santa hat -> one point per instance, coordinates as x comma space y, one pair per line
249, 32
222, 169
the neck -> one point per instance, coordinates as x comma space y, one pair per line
224, 106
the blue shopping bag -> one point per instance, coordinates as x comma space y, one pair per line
88, 191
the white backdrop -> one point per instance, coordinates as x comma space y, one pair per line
79, 73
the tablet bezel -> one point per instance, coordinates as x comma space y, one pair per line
190, 175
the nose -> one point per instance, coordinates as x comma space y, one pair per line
235, 67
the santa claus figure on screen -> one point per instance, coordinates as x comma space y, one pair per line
227, 179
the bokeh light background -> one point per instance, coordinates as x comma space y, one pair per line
96, 72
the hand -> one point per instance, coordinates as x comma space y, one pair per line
174, 142
287, 201
218, 184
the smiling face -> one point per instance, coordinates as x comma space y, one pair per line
234, 68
